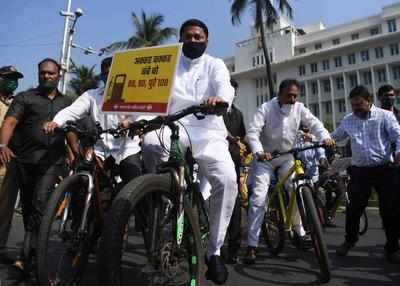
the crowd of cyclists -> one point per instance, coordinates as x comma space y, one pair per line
37, 156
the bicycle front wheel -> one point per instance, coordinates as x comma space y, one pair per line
314, 228
273, 225
62, 250
142, 242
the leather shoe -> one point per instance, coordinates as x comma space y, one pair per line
217, 271
251, 255
393, 257
344, 248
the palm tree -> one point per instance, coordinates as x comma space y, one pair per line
84, 78
266, 8
148, 32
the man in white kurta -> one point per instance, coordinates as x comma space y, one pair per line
124, 150
273, 129
201, 78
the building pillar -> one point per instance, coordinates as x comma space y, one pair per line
319, 100
388, 77
307, 94
333, 103
358, 77
346, 101
373, 85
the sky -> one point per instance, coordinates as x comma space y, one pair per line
31, 30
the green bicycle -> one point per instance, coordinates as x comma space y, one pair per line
157, 226
279, 212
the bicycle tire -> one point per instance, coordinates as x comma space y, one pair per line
112, 241
70, 185
363, 223
315, 229
273, 225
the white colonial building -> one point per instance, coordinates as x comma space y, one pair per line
328, 62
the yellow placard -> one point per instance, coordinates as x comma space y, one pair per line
140, 81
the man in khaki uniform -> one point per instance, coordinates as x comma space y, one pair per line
9, 189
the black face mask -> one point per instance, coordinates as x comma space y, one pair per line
361, 113
194, 50
387, 102
47, 86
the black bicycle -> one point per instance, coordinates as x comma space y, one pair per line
158, 223
74, 215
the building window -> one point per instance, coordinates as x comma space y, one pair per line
342, 105
379, 52
314, 67
374, 31
336, 41
367, 77
355, 36
352, 59
254, 61
396, 73
302, 90
392, 25
338, 61
315, 109
262, 59
365, 56
314, 88
256, 82
328, 107
394, 49
325, 65
327, 85
318, 46
381, 75
258, 60
302, 50
302, 70
353, 80
261, 82
339, 83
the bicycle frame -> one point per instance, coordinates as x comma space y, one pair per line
288, 212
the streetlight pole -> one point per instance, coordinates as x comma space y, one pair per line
69, 30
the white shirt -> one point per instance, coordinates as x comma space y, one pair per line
89, 104
195, 81
274, 129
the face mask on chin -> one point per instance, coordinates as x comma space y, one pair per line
361, 114
387, 102
194, 50
47, 86
287, 108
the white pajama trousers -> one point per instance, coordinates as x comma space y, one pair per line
263, 172
215, 164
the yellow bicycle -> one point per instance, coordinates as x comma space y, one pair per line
279, 212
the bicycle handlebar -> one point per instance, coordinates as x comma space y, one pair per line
296, 150
199, 111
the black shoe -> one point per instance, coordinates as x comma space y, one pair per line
303, 242
232, 258
393, 257
216, 271
330, 222
344, 248
251, 255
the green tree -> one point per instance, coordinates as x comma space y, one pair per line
265, 12
148, 32
84, 78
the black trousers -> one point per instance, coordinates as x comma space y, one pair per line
36, 183
234, 227
385, 180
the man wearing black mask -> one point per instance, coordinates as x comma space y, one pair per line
40, 159
201, 78
387, 97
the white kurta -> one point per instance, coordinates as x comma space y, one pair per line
89, 104
195, 81
274, 129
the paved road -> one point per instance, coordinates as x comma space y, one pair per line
364, 266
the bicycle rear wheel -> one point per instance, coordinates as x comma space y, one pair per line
313, 226
139, 240
273, 225
62, 249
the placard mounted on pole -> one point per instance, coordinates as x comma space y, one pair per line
140, 81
